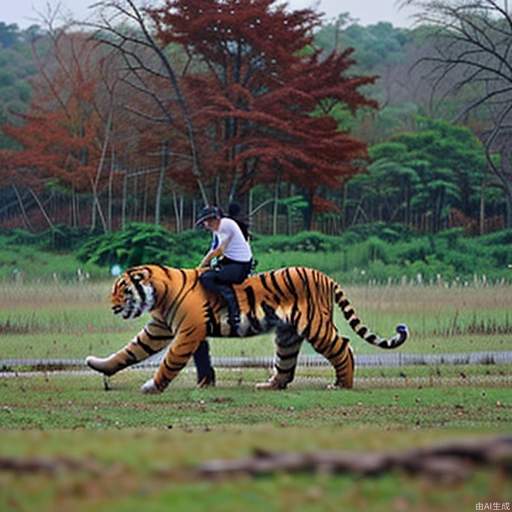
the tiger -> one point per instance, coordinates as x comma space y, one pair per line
295, 302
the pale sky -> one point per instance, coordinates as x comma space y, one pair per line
24, 12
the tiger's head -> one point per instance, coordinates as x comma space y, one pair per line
133, 293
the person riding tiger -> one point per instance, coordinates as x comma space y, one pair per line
231, 248
232, 254
296, 302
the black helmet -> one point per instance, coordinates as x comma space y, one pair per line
208, 212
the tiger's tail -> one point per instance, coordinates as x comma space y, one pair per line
402, 333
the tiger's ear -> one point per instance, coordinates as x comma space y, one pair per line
140, 275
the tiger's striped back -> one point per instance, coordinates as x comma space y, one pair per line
304, 297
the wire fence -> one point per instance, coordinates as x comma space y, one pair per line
393, 360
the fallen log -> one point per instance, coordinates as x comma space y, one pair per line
448, 462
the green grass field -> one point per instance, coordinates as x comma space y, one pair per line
80, 402
133, 452
148, 471
135, 443
70, 321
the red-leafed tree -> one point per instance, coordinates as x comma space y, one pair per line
62, 135
261, 97
217, 96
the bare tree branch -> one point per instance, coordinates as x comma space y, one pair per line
128, 10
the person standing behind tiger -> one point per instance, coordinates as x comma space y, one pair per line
231, 246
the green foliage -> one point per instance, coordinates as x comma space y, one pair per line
16, 69
502, 237
383, 252
66, 238
430, 171
145, 243
376, 251
392, 119
61, 238
306, 241
20, 237
376, 45
30, 262
294, 203
415, 250
390, 232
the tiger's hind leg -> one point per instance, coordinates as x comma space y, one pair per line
337, 350
288, 344
345, 372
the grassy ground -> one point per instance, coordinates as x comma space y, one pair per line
63, 401
147, 471
32, 263
127, 487
137, 446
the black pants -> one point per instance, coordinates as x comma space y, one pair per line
228, 272
220, 280
204, 368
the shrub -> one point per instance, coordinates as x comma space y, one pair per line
382, 230
502, 237
389, 254
145, 243
64, 237
452, 235
306, 241
502, 255
23, 237
465, 263
416, 250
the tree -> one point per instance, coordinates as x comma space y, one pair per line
261, 101
424, 173
126, 28
474, 42
16, 70
456, 164
9, 34
62, 134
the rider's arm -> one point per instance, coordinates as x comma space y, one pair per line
215, 253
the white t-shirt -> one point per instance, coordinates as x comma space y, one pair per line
237, 247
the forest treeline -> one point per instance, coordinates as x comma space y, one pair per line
146, 114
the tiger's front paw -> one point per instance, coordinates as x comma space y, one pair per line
149, 388
102, 365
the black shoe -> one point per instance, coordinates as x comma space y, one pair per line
208, 380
